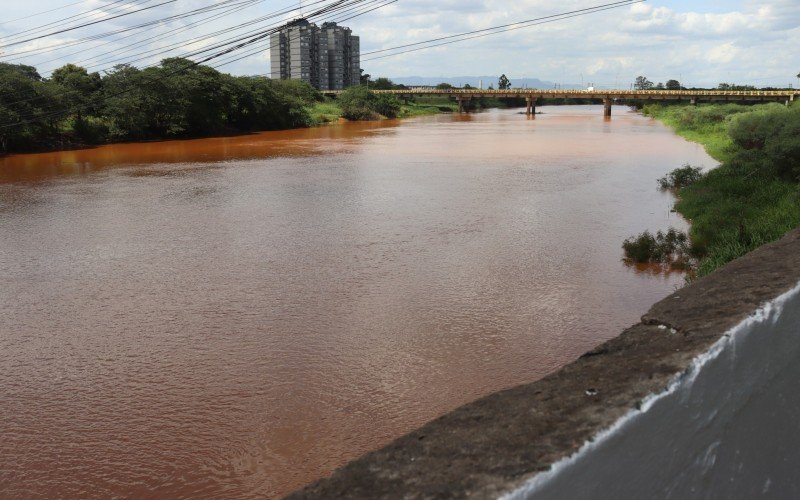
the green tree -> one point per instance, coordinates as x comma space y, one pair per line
128, 108
382, 83
444, 86
733, 86
673, 85
80, 89
297, 88
642, 83
25, 100
503, 83
659, 86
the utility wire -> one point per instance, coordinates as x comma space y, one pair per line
40, 13
147, 24
67, 20
498, 29
73, 28
110, 56
619, 4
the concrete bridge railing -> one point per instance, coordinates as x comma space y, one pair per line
698, 400
532, 96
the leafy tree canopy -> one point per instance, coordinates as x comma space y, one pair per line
503, 83
642, 83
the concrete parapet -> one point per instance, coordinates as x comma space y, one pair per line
697, 399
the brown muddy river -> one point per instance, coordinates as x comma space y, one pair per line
236, 317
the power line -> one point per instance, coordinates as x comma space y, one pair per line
65, 20
40, 13
499, 29
108, 56
107, 34
73, 28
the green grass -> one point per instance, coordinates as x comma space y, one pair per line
324, 112
736, 207
422, 109
706, 124
330, 111
732, 215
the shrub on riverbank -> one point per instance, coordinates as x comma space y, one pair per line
753, 198
681, 177
670, 248
358, 103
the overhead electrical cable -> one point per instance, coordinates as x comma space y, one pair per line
41, 13
73, 28
171, 47
469, 35
147, 24
114, 55
105, 9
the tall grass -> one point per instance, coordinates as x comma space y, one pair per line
705, 123
330, 110
745, 202
324, 112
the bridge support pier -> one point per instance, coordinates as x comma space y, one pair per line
461, 107
693, 101
531, 105
607, 107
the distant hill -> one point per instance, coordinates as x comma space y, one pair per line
458, 81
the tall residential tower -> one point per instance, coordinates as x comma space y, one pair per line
328, 58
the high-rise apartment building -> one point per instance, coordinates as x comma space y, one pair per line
328, 58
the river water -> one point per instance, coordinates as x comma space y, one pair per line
235, 317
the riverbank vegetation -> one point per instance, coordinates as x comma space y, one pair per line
681, 177
173, 100
753, 197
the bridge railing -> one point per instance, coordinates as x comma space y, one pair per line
522, 92
525, 91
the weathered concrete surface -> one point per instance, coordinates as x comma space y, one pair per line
726, 428
495, 445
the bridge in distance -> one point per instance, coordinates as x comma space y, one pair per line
532, 96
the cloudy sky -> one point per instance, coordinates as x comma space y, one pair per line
700, 42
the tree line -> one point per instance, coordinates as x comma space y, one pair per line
642, 83
175, 99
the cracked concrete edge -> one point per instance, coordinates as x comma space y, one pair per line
495, 444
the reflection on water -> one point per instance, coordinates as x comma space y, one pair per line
236, 317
